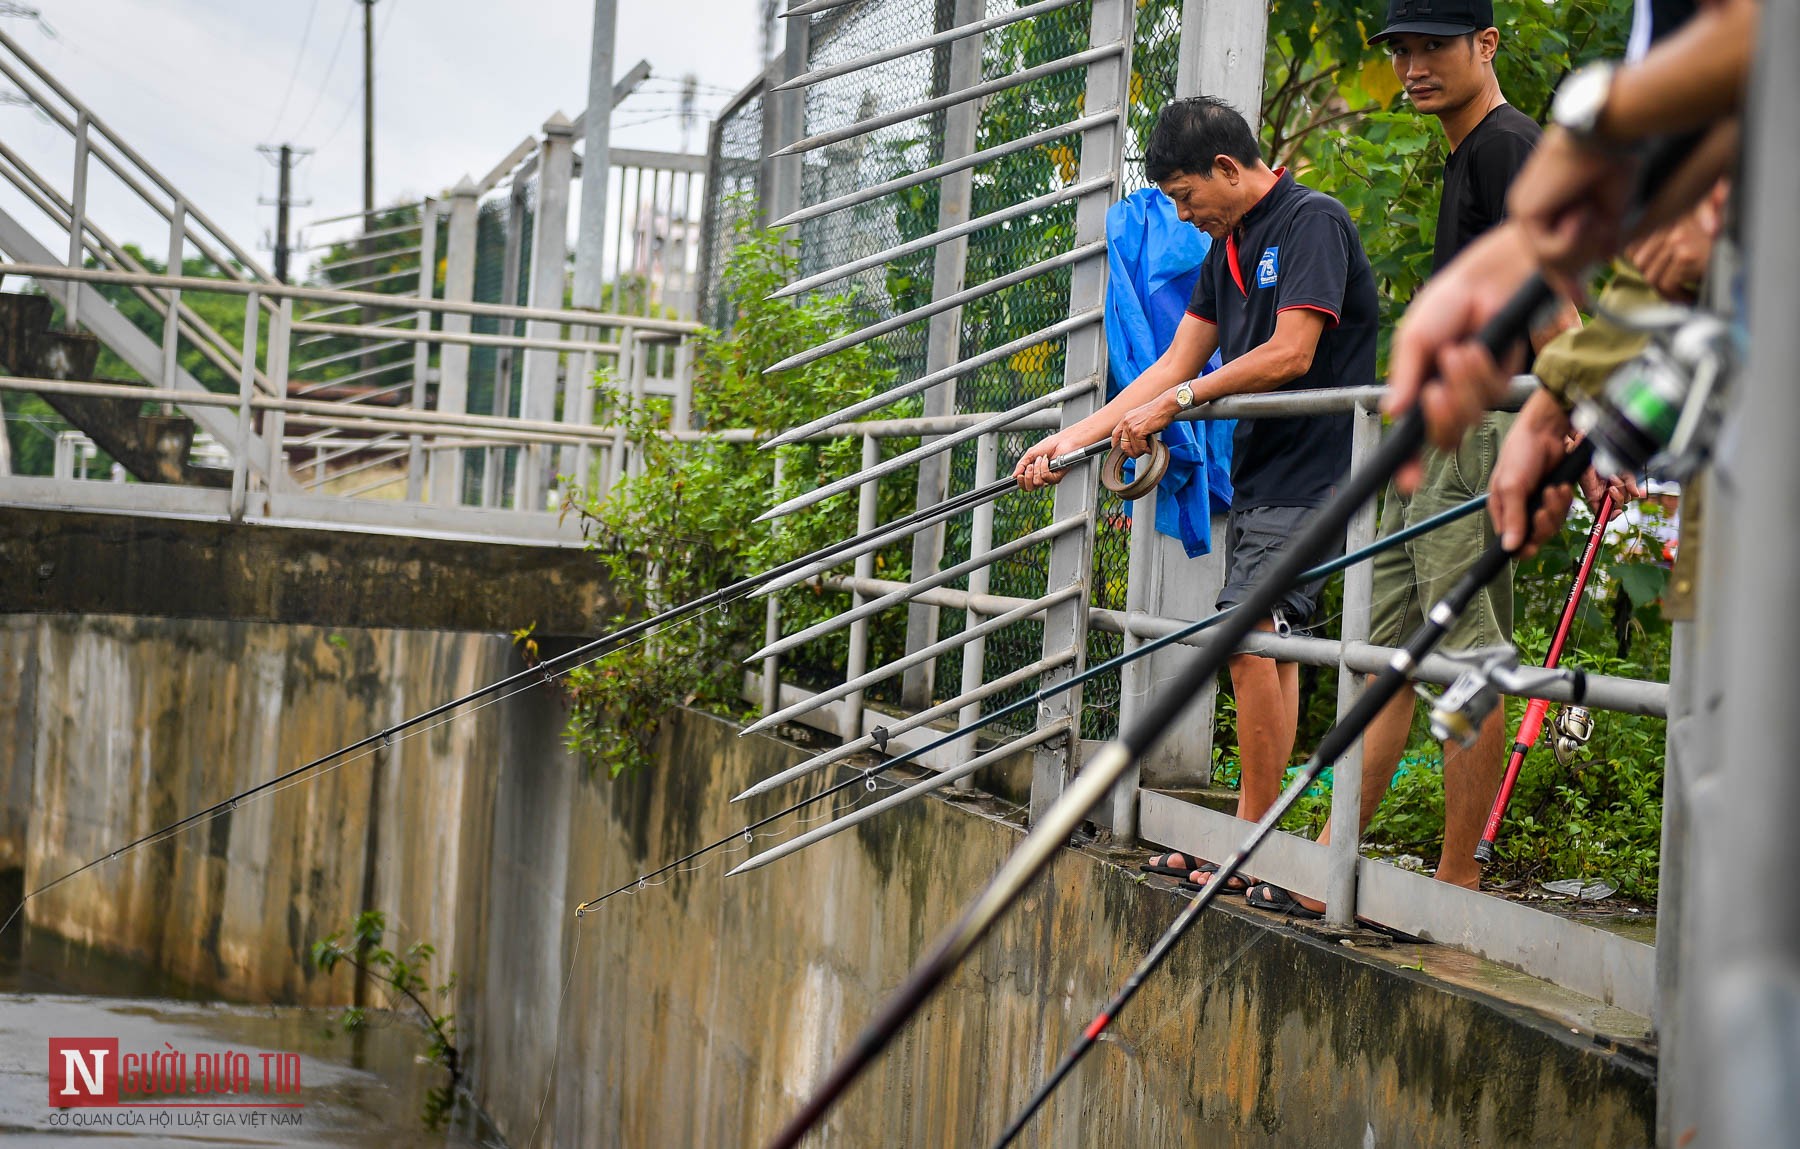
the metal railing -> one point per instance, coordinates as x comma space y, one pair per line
1062, 543
415, 437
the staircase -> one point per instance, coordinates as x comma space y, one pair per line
153, 448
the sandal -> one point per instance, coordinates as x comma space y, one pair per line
1173, 864
1236, 884
1265, 896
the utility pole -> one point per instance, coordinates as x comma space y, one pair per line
368, 111
690, 93
596, 166
284, 157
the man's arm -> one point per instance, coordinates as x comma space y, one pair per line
1284, 357
1194, 343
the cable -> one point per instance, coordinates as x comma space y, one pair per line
330, 66
380, 39
299, 58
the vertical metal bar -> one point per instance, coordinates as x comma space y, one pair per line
1749, 966
240, 462
619, 265
981, 538
1135, 679
453, 358
596, 163
77, 218
578, 407
1677, 1108
943, 345
868, 506
639, 365
1346, 775
1072, 554
771, 666
549, 257
621, 448
653, 286
171, 344
281, 334
681, 415
785, 115
415, 453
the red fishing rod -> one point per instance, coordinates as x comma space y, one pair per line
1532, 724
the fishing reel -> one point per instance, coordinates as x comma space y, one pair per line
1574, 726
1660, 412
1459, 712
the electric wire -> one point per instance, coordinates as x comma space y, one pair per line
330, 66
299, 58
351, 106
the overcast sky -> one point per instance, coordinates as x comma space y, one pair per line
196, 85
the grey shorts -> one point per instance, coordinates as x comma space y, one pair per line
1254, 543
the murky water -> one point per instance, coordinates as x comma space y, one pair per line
362, 1089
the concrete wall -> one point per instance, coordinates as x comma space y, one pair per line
699, 1011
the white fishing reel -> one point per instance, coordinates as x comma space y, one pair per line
1459, 712
1574, 726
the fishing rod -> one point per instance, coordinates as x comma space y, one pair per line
1390, 682
1053, 829
549, 669
1531, 725
1657, 413
866, 777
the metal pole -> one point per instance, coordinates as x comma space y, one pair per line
981, 539
368, 111
1749, 961
77, 218
453, 360
1221, 53
771, 666
281, 330
785, 115
944, 336
1072, 555
1346, 775
856, 664
240, 463
1135, 680
172, 318
549, 255
596, 162
283, 192
415, 453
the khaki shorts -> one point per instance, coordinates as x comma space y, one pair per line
1411, 578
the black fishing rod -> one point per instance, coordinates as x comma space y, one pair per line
548, 670
1391, 681
1053, 829
1324, 570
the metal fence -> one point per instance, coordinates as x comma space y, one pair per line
981, 239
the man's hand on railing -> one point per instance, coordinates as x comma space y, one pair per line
1141, 424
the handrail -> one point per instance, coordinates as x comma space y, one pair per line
571, 317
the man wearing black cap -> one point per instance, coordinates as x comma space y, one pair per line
1443, 53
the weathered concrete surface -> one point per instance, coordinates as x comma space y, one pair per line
698, 1011
87, 563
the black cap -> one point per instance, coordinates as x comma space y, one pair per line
1436, 18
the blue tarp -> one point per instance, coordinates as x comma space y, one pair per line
1154, 263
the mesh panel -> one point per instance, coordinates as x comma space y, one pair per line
731, 190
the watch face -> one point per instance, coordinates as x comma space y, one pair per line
1184, 396
1581, 98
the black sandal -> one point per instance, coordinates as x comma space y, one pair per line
1265, 896
1161, 865
1236, 884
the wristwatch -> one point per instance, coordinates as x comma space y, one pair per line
1581, 100
1184, 395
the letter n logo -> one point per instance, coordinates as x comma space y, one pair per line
84, 1071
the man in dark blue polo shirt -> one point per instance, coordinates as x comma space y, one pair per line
1287, 296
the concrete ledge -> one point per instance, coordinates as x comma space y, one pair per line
83, 562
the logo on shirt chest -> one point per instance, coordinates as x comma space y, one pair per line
1268, 268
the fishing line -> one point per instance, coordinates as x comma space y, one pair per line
556, 1052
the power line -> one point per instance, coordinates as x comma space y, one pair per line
380, 39
299, 58
325, 80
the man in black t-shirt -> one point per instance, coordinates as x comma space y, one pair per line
1287, 296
